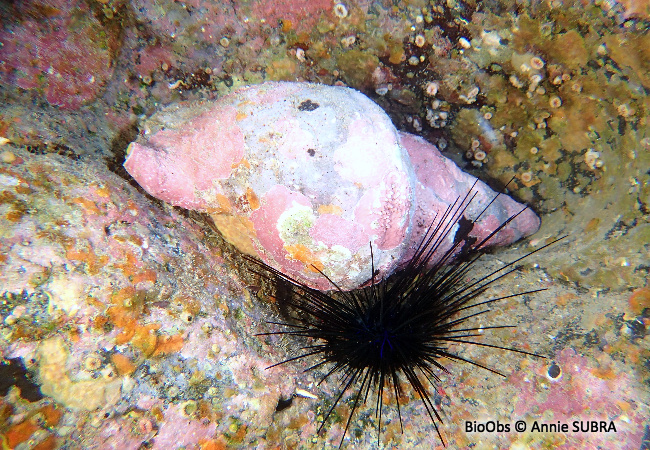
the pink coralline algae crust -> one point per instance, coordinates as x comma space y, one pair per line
302, 14
306, 176
135, 307
580, 395
276, 201
64, 55
187, 174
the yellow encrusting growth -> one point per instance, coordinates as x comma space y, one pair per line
56, 382
237, 230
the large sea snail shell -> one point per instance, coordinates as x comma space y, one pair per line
305, 176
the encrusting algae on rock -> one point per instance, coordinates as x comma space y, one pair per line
144, 301
305, 176
88, 395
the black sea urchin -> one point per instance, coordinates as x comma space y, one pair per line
399, 330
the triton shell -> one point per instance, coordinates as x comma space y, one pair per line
305, 176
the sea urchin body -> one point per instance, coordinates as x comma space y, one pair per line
399, 331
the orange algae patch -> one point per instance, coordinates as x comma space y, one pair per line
240, 434
126, 334
301, 253
604, 373
103, 192
86, 204
128, 267
14, 216
6, 197
330, 209
639, 300
157, 413
145, 275
243, 162
212, 445
121, 316
132, 207
136, 240
131, 270
119, 297
142, 337
20, 433
287, 25
223, 306
146, 339
253, 201
100, 321
122, 364
224, 206
50, 443
168, 344
592, 224
23, 189
633, 353
52, 415
92, 261
624, 406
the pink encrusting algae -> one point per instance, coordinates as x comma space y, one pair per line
86, 306
70, 68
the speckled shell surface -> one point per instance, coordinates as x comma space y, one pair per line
307, 176
302, 175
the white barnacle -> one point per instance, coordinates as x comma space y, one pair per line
340, 11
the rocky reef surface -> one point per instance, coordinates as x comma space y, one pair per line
128, 323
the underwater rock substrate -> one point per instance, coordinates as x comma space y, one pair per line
305, 176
